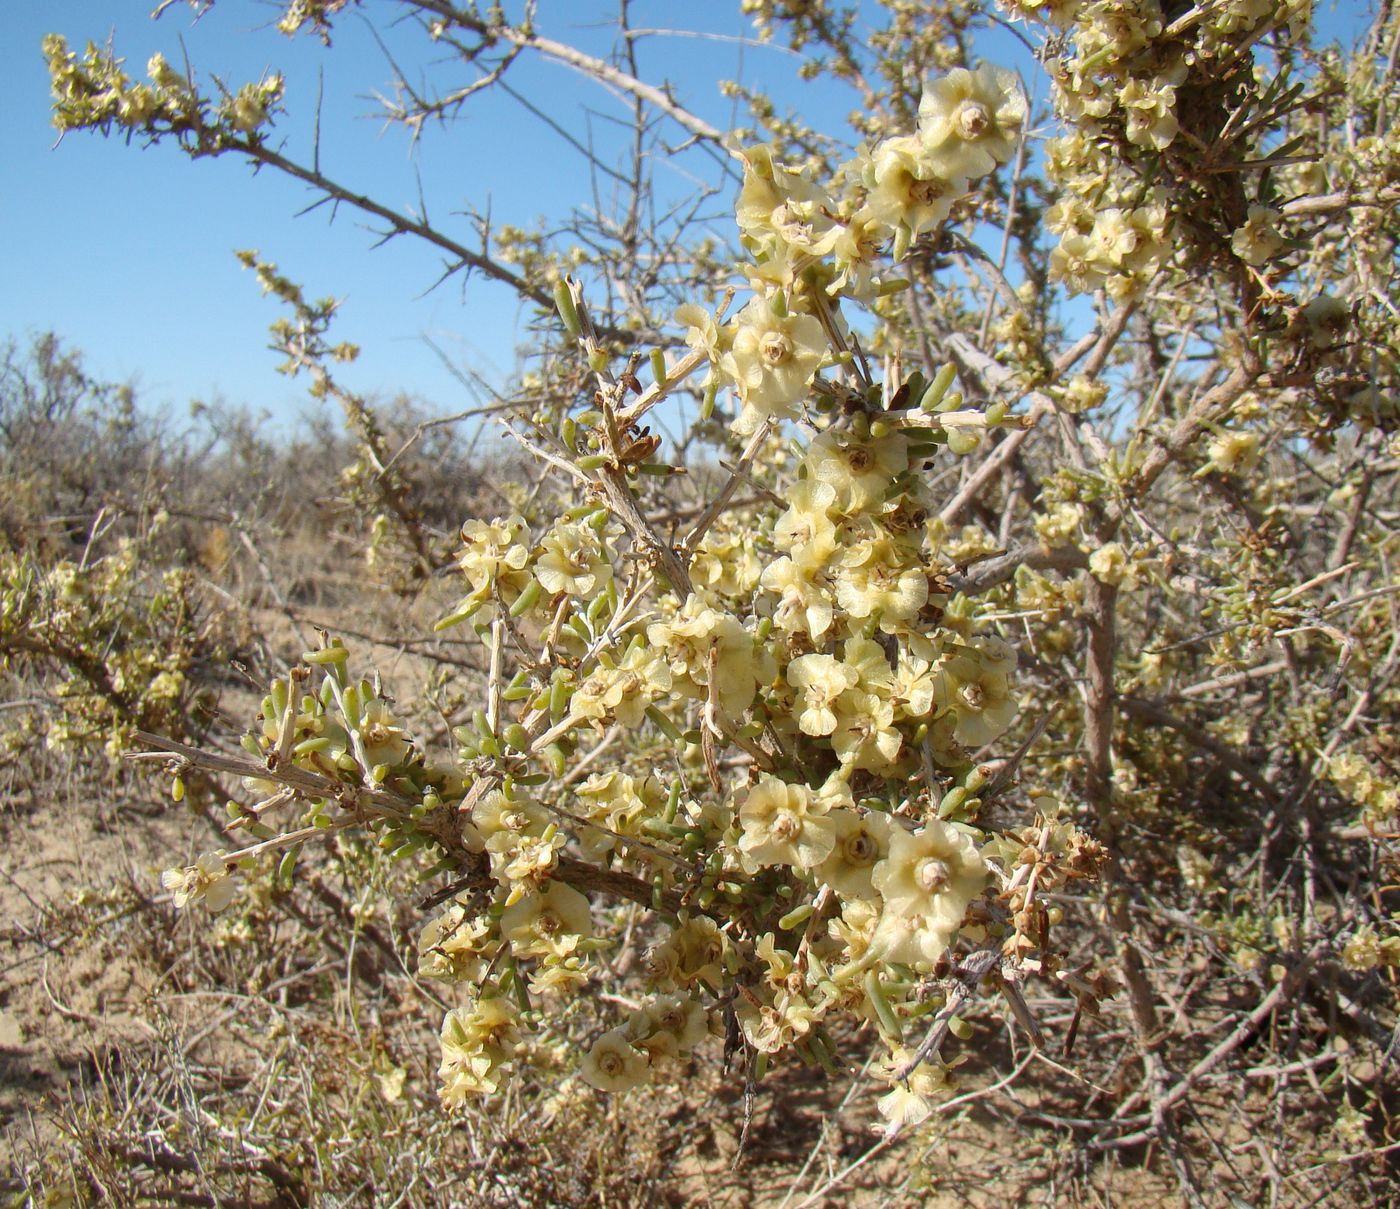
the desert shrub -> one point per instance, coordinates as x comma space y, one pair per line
1006, 648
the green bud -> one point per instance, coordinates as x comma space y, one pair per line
952, 801
884, 1010
903, 237
287, 865
559, 693
554, 756
568, 311
335, 653
795, 918
942, 380
963, 441
527, 599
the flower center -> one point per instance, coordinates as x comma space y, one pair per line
972, 120
861, 848
610, 1063
925, 193
775, 347
786, 825
974, 695
932, 875
660, 962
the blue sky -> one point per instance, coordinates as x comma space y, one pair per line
127, 252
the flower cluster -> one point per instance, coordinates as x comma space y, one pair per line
796, 799
1123, 71
92, 90
969, 122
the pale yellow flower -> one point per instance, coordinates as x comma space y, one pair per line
804, 597
1074, 261
1258, 241
456, 946
910, 1100
572, 560
978, 680
806, 530
495, 553
669, 1025
686, 643
969, 121
780, 206
821, 679
926, 881
862, 841
207, 881
477, 1041
1151, 111
784, 825
614, 1063
875, 581
860, 471
548, 923
907, 189
772, 362
865, 736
